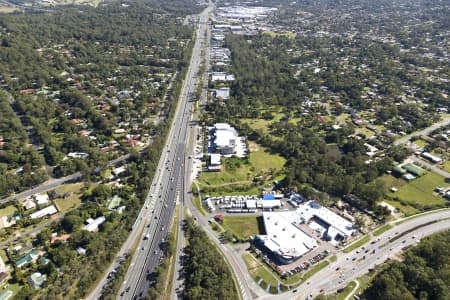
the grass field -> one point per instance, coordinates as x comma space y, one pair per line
73, 200
258, 124
263, 161
421, 190
407, 210
392, 181
7, 211
69, 203
258, 270
239, 175
357, 244
244, 226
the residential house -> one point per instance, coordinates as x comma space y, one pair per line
92, 225
27, 258
36, 280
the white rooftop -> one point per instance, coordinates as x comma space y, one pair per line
310, 209
215, 159
225, 138
93, 225
283, 237
49, 210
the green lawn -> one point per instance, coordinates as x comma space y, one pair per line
243, 226
363, 130
258, 270
445, 166
71, 201
392, 181
70, 188
198, 205
407, 210
421, 190
258, 124
420, 143
315, 269
8, 211
357, 244
263, 161
225, 176
290, 35
347, 290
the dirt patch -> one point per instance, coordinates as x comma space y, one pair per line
253, 147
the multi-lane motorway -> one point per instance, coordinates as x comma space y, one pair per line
150, 231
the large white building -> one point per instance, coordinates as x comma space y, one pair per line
286, 241
222, 76
337, 228
224, 138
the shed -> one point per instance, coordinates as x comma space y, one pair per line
413, 169
268, 197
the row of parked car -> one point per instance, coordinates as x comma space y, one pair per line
306, 264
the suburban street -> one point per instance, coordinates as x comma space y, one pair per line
427, 165
54, 183
425, 131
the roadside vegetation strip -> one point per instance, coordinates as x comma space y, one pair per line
347, 292
173, 233
314, 270
382, 229
357, 244
419, 215
112, 288
205, 261
333, 258
262, 275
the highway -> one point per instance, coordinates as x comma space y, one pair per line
151, 228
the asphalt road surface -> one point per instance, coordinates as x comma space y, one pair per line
151, 228
425, 131
54, 183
